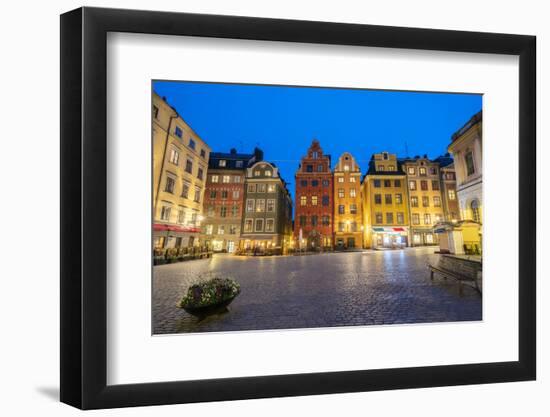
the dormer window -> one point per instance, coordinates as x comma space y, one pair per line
315, 154
222, 162
385, 154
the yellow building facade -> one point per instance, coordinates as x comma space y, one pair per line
180, 162
385, 203
425, 199
348, 213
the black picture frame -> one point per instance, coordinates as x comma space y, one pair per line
84, 207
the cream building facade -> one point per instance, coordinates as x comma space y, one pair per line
180, 162
466, 148
425, 199
348, 213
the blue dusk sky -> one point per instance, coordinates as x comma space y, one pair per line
282, 120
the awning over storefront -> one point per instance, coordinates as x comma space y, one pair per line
160, 227
389, 229
443, 227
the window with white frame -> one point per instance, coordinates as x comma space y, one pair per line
250, 205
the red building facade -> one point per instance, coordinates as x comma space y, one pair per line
313, 222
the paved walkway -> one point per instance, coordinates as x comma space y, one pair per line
333, 289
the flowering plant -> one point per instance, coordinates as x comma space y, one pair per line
211, 292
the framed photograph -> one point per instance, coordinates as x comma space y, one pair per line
257, 208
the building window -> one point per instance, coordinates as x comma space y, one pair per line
376, 183
354, 226
197, 198
433, 171
236, 194
352, 192
267, 173
222, 163
325, 200
452, 195
235, 210
261, 188
270, 225
320, 168
437, 201
232, 229
416, 238
353, 208
341, 209
303, 220
309, 168
474, 205
400, 218
377, 198
380, 168
270, 205
415, 218
391, 168
315, 183
325, 183
378, 218
435, 185
203, 153
388, 199
314, 200
226, 179
210, 211
251, 188
341, 179
155, 112
260, 206
192, 144
257, 173
178, 132
399, 199
397, 183
325, 220
340, 226
271, 188
412, 185
427, 218
352, 179
425, 201
250, 205
314, 220
438, 218
469, 158
212, 194
214, 178
165, 212
341, 193
189, 166
315, 154
224, 194
248, 225
411, 171
259, 225
422, 171
200, 173
303, 200
236, 179
221, 230
414, 201
346, 167
209, 229
174, 156
387, 183
185, 189
239, 164
424, 185
170, 185
181, 216
389, 218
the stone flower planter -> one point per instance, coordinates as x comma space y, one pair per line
210, 297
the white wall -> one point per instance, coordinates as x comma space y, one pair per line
29, 294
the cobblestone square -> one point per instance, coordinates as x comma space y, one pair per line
326, 290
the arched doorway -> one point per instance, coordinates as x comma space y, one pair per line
474, 206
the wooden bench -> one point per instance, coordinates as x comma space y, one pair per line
461, 279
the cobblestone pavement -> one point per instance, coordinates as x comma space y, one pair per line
333, 289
